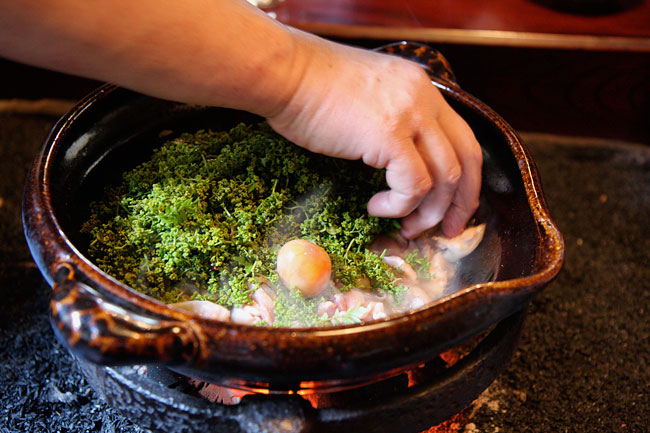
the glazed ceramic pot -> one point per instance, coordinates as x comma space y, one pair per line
106, 322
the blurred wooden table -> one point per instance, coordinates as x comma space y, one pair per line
541, 69
517, 23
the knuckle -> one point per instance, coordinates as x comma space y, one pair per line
452, 177
422, 185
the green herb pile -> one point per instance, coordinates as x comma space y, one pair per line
205, 217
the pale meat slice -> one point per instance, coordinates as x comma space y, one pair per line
454, 249
205, 309
261, 310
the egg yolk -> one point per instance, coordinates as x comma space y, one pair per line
305, 266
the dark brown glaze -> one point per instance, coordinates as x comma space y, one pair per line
107, 322
102, 331
432, 60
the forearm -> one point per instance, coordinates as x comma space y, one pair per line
213, 52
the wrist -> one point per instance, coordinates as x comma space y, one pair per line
288, 76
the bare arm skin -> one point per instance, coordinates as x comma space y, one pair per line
330, 98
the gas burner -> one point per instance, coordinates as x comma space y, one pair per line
160, 400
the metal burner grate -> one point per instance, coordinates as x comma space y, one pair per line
162, 401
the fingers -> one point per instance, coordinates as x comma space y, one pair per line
466, 197
445, 171
453, 160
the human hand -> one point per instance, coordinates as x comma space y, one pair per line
356, 104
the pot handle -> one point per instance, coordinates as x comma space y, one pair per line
433, 62
106, 332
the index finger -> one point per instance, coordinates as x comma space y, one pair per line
409, 181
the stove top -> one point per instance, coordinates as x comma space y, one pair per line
582, 359
163, 401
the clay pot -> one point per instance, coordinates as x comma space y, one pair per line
104, 321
